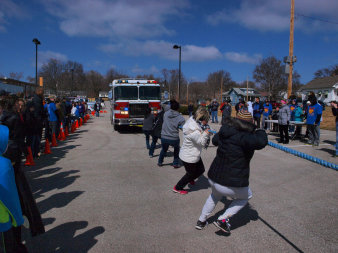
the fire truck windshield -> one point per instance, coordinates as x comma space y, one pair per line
126, 92
150, 93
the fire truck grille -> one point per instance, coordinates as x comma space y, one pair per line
137, 110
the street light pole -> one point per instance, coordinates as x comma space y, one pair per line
36, 42
179, 71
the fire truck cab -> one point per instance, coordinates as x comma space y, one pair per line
129, 100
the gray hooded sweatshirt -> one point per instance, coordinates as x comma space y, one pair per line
171, 121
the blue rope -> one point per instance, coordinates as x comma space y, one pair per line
305, 156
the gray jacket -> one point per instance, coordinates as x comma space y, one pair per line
284, 115
171, 121
148, 122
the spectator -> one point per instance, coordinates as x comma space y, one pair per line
157, 128
274, 116
267, 110
335, 113
148, 125
214, 111
10, 208
257, 112
32, 129
239, 105
293, 107
52, 118
250, 109
314, 115
194, 139
172, 120
97, 108
190, 109
284, 116
39, 114
229, 172
226, 109
298, 117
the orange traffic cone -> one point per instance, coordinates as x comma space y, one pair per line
76, 124
66, 131
47, 147
101, 111
29, 158
54, 143
104, 111
93, 113
81, 122
62, 133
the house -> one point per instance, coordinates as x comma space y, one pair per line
236, 93
325, 88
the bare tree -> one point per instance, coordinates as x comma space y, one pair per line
330, 71
15, 75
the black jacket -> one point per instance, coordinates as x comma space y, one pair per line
157, 128
236, 143
39, 112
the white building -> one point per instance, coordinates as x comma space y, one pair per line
325, 88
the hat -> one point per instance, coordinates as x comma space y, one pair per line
308, 102
244, 115
283, 101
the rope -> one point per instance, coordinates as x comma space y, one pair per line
305, 156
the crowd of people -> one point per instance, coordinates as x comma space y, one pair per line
22, 124
229, 172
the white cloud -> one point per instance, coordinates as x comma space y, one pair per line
119, 18
243, 57
164, 50
8, 10
139, 70
274, 15
45, 56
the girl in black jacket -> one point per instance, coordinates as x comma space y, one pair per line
229, 172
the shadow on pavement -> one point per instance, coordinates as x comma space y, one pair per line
201, 183
58, 200
130, 130
62, 238
330, 151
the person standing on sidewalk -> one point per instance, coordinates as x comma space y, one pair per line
257, 112
229, 172
97, 108
335, 113
267, 110
284, 116
314, 115
226, 109
194, 139
214, 110
172, 120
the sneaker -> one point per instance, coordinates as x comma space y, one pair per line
151, 156
200, 225
286, 142
183, 192
223, 225
192, 182
159, 164
176, 166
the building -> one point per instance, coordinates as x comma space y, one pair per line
13, 86
325, 88
236, 93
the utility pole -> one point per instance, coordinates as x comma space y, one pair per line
247, 89
291, 47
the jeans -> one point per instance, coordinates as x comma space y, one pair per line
193, 171
214, 117
97, 113
267, 123
165, 145
284, 133
34, 142
313, 134
241, 195
53, 128
257, 121
153, 145
147, 134
190, 114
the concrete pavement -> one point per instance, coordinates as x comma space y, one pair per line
100, 192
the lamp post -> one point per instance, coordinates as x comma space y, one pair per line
36, 42
179, 70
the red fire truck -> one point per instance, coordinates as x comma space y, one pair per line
129, 100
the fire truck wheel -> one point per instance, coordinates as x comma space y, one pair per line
116, 127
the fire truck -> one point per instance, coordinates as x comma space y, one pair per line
129, 100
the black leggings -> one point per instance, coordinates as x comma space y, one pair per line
193, 171
284, 133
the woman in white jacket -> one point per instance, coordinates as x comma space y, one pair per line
194, 139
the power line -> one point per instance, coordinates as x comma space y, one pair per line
318, 19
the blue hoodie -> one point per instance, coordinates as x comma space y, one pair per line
10, 209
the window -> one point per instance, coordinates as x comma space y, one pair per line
150, 93
126, 92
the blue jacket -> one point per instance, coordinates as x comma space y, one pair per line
267, 110
51, 112
257, 110
298, 114
10, 209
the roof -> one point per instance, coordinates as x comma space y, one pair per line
242, 92
319, 83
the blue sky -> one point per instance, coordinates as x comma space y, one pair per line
136, 36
